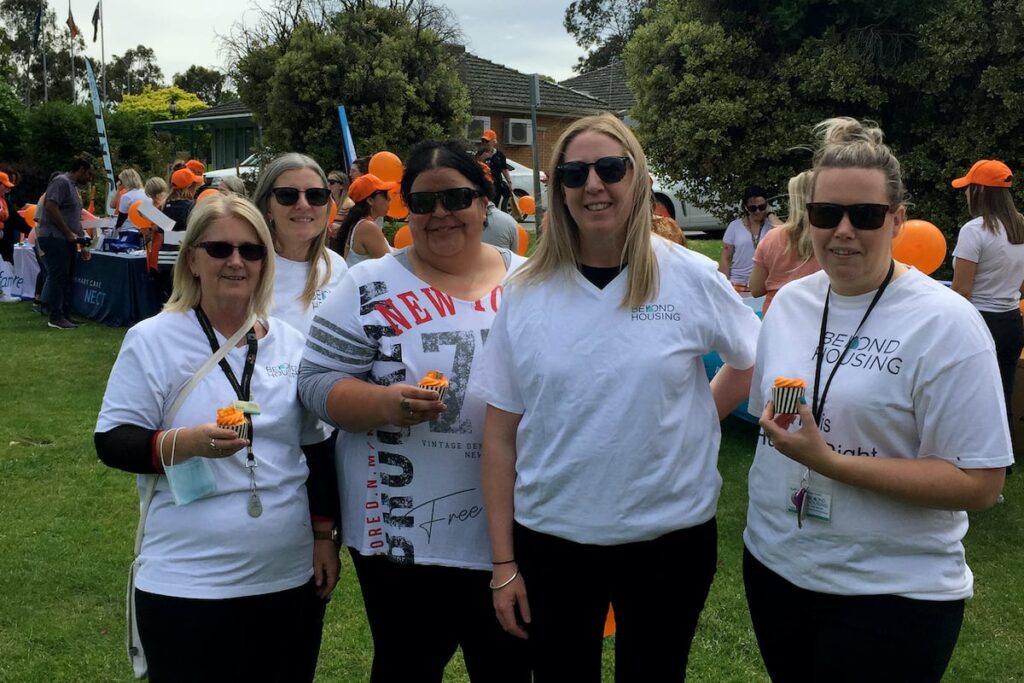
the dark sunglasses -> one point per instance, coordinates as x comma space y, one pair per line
288, 196
455, 199
828, 216
221, 250
609, 169
754, 208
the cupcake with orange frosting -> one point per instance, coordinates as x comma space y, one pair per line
787, 394
435, 381
230, 417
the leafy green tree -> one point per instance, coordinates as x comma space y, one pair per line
58, 132
396, 79
603, 27
12, 124
156, 104
207, 84
728, 90
132, 72
24, 62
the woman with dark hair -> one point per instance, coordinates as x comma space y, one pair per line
741, 238
854, 563
359, 235
338, 182
408, 457
988, 263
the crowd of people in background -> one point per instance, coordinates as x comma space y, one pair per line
503, 512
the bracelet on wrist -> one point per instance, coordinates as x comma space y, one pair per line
503, 562
501, 585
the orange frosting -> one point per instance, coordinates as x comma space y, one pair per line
229, 416
434, 380
782, 382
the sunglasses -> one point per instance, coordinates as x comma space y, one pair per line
222, 250
455, 199
288, 196
574, 174
754, 208
827, 216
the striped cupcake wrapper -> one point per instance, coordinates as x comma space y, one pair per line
242, 430
787, 399
441, 391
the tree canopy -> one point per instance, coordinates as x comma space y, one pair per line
156, 104
727, 90
132, 72
23, 61
207, 84
603, 27
386, 66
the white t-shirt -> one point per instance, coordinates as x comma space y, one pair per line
127, 199
737, 235
1000, 269
619, 435
212, 548
289, 283
412, 494
922, 381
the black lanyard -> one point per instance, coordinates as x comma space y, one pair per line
818, 407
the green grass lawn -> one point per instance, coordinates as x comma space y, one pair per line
67, 525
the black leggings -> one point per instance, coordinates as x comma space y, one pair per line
1008, 334
420, 614
266, 638
657, 588
807, 637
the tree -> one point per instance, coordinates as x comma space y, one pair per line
23, 61
207, 84
58, 132
156, 104
603, 27
396, 79
12, 124
132, 72
727, 91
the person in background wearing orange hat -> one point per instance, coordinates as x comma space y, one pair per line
988, 263
359, 237
197, 167
180, 201
499, 169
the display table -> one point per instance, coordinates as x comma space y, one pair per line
26, 268
114, 289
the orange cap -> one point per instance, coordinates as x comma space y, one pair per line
183, 178
5, 180
987, 172
365, 185
489, 136
197, 167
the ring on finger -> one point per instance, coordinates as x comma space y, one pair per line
406, 406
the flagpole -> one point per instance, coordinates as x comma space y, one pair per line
103, 52
71, 49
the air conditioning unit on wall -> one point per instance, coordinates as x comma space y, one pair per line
518, 132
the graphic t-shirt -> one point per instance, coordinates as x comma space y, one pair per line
619, 435
212, 548
1000, 271
289, 283
412, 494
920, 380
737, 235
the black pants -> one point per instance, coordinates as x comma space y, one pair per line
58, 256
273, 637
420, 614
657, 588
1008, 333
806, 636
41, 277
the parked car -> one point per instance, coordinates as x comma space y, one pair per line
248, 169
689, 217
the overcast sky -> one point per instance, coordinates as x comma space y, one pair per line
526, 35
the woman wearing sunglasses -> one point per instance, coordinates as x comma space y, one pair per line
742, 237
988, 263
854, 567
785, 254
224, 588
601, 444
359, 234
409, 457
338, 182
293, 194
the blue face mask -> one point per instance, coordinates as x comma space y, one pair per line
191, 480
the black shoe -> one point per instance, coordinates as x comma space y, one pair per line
74, 321
62, 324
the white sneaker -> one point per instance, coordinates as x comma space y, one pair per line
6, 298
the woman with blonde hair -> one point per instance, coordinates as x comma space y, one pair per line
854, 564
589, 504
785, 254
988, 263
227, 550
131, 183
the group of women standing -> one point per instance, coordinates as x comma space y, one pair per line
525, 491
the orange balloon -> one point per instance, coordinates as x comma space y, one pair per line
29, 214
206, 194
920, 244
524, 240
137, 219
527, 205
403, 237
386, 166
333, 213
397, 208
